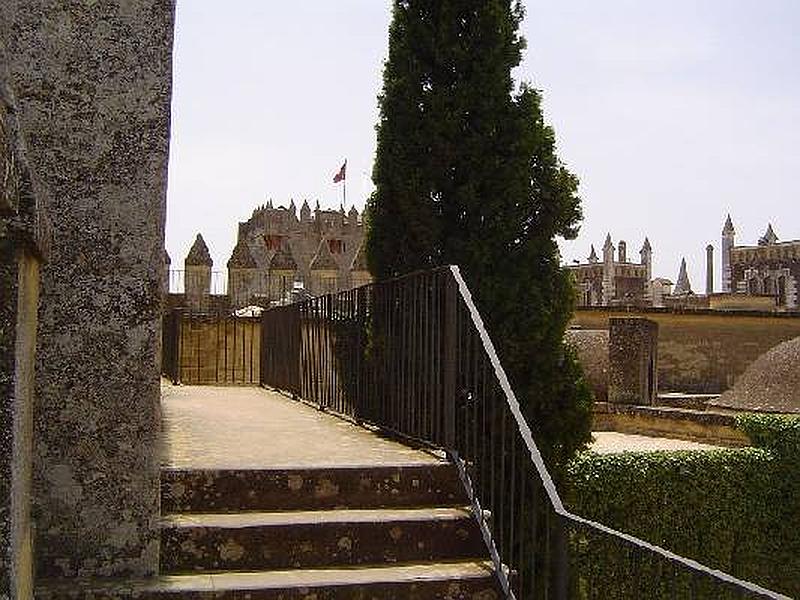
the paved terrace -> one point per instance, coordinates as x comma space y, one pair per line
210, 427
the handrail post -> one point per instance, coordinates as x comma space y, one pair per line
449, 359
560, 559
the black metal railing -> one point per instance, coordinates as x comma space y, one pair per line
412, 356
202, 348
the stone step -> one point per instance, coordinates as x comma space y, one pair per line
215, 491
300, 540
462, 580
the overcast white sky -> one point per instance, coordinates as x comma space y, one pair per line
671, 113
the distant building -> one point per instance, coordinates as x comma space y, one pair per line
614, 280
761, 277
278, 252
769, 269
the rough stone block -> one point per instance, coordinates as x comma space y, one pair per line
633, 360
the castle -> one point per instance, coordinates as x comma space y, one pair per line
762, 277
771, 268
279, 251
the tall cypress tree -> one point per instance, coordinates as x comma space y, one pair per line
466, 173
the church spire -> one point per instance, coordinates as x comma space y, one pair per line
683, 286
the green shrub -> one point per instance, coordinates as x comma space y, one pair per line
736, 510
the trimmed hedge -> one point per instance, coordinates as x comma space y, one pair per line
737, 510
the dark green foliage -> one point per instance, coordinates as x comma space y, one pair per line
466, 173
780, 433
735, 510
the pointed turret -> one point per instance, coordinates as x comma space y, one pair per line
608, 246
609, 280
769, 238
324, 271
282, 269
646, 256
282, 261
197, 274
728, 240
241, 258
198, 254
324, 261
593, 256
359, 270
683, 286
292, 208
305, 212
242, 269
728, 229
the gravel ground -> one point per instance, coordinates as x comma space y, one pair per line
611, 442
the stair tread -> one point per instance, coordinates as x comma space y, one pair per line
428, 461
301, 578
311, 517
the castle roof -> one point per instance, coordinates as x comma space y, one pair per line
241, 258
593, 255
646, 246
199, 254
728, 228
769, 237
324, 260
360, 260
608, 245
683, 286
283, 261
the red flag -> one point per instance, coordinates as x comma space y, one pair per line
340, 176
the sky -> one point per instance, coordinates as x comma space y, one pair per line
672, 114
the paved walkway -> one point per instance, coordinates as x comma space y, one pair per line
611, 442
209, 427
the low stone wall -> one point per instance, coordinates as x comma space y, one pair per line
679, 423
703, 351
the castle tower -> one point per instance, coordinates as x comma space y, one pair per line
646, 255
622, 251
305, 212
728, 235
282, 271
709, 270
197, 275
324, 271
593, 256
292, 210
242, 274
352, 218
683, 286
359, 271
609, 284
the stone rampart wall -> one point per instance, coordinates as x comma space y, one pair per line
704, 351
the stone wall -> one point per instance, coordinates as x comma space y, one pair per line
703, 351
23, 245
93, 83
